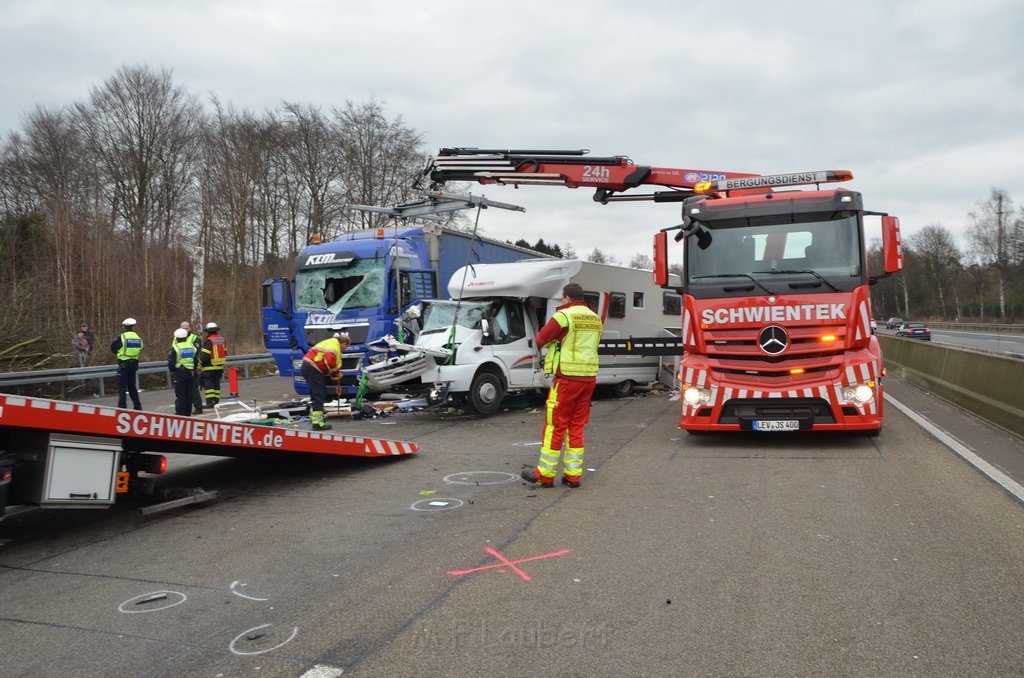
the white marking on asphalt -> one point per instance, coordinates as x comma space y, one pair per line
172, 597
323, 671
295, 632
240, 594
1007, 483
439, 504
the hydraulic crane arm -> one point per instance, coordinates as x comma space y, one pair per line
569, 168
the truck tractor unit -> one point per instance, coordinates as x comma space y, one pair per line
359, 282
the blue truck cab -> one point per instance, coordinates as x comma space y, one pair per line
361, 281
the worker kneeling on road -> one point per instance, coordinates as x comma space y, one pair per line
571, 337
323, 362
181, 361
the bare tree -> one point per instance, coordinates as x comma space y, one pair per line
939, 260
16, 195
143, 132
599, 257
312, 150
380, 159
641, 261
991, 239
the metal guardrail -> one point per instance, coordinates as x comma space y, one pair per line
995, 328
101, 372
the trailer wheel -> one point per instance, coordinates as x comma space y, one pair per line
486, 392
623, 389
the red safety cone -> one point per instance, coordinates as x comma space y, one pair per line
233, 381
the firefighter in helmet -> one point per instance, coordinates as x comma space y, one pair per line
212, 357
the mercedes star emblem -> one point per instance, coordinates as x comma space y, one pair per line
773, 340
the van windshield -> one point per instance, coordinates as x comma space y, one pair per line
439, 316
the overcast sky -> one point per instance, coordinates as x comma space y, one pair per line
923, 100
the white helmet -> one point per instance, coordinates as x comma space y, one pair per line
212, 326
129, 322
180, 333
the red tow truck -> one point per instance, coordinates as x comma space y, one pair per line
57, 454
776, 313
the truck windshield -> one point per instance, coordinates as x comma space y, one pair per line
822, 253
338, 288
438, 316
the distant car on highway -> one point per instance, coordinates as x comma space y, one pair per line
914, 331
893, 323
874, 326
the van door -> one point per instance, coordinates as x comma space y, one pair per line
510, 340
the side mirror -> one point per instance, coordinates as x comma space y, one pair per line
485, 327
892, 247
661, 259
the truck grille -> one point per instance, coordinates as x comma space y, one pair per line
735, 353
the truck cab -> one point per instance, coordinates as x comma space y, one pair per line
776, 319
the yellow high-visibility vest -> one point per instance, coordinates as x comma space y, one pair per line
576, 354
131, 346
185, 351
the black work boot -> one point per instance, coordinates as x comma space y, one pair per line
530, 475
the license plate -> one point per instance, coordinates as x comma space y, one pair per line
785, 425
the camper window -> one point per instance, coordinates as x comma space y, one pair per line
671, 304
638, 300
617, 305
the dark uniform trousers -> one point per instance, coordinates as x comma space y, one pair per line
184, 388
127, 376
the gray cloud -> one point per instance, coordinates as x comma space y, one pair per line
922, 100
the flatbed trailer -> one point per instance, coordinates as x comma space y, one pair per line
62, 454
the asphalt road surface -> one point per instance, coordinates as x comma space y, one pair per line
711, 555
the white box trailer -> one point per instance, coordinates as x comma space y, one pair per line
480, 344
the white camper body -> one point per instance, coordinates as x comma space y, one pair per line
497, 310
